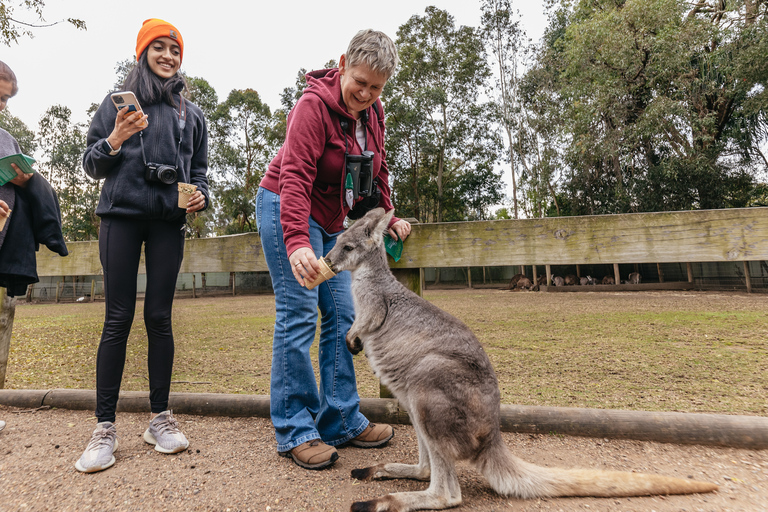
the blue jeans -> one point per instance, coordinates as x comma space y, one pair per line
300, 411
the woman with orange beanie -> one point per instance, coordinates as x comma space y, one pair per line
142, 156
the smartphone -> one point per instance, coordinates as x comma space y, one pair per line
126, 99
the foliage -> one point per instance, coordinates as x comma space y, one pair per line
12, 28
244, 142
504, 39
23, 135
63, 145
440, 149
659, 106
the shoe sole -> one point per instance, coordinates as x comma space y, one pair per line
371, 444
149, 438
319, 465
95, 469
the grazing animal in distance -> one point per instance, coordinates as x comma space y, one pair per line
634, 278
609, 280
558, 281
586, 280
514, 280
525, 284
438, 371
571, 280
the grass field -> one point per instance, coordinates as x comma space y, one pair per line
665, 351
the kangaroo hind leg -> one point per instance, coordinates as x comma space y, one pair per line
443, 492
392, 470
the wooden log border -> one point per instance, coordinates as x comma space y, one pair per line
747, 432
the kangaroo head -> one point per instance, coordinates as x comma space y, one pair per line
365, 239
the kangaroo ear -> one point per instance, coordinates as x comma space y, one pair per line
381, 226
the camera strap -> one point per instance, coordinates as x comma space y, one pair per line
182, 123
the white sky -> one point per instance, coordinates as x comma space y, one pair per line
234, 44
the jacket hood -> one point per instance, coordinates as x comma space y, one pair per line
325, 84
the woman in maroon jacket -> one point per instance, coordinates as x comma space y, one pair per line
300, 209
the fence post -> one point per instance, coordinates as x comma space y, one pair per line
93, 289
747, 278
616, 274
7, 312
194, 295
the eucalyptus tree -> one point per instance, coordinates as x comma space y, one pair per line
662, 103
20, 131
442, 72
62, 144
243, 142
504, 38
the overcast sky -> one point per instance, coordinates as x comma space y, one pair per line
231, 43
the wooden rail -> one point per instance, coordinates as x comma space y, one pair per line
667, 237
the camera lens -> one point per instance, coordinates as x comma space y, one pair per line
166, 174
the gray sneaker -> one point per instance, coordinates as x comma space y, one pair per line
164, 433
98, 454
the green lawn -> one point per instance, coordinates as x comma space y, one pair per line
667, 351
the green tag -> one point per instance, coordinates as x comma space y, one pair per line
394, 247
348, 183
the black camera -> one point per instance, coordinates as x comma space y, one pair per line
160, 172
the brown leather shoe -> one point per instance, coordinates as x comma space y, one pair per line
373, 436
313, 454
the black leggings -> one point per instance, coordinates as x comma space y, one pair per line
120, 242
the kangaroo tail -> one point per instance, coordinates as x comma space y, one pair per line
511, 476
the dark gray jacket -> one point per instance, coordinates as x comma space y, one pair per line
35, 220
126, 192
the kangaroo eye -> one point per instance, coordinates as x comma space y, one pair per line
348, 248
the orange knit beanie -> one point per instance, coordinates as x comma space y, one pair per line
154, 28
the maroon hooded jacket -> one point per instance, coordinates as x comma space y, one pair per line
308, 171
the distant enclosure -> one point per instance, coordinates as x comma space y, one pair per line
708, 249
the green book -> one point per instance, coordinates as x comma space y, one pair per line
7, 173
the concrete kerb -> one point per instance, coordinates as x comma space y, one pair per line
748, 432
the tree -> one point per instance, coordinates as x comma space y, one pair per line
12, 27
20, 131
202, 94
244, 143
505, 39
438, 130
63, 145
662, 104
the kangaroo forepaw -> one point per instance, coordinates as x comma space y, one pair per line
354, 345
364, 473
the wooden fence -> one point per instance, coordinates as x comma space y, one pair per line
733, 235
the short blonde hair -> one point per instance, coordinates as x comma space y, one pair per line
374, 49
7, 74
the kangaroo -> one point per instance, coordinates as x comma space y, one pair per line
438, 371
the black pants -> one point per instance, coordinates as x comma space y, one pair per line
120, 242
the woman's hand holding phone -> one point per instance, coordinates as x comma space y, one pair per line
127, 123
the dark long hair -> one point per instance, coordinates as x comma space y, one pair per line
150, 88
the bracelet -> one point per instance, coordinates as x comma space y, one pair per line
109, 149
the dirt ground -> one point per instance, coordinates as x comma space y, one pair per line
231, 465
